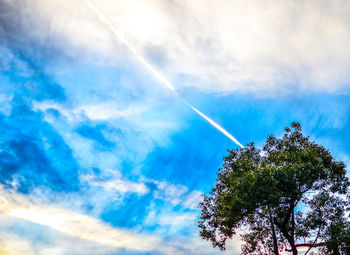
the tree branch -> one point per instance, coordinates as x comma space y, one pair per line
318, 233
312, 245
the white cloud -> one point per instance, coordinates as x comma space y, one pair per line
170, 192
192, 199
177, 219
85, 227
223, 46
177, 194
14, 247
14, 242
169, 223
98, 111
117, 183
105, 111
122, 186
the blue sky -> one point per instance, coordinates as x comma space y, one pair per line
99, 156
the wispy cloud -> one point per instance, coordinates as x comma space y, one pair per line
98, 112
85, 227
236, 46
177, 194
116, 183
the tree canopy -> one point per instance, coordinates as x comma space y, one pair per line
291, 195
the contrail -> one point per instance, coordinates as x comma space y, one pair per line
217, 126
157, 74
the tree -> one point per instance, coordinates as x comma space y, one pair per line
292, 195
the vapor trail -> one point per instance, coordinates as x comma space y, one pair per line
217, 126
157, 73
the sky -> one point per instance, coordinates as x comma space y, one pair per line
115, 115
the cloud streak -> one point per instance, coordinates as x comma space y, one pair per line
217, 47
83, 226
157, 74
116, 183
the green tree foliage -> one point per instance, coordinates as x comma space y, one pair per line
290, 196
